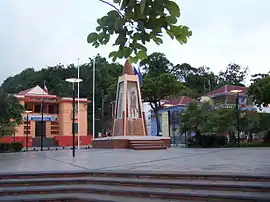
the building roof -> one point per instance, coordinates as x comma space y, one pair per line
182, 100
225, 90
37, 90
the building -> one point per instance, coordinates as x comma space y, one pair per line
57, 119
224, 97
169, 116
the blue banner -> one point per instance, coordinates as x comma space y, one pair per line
39, 118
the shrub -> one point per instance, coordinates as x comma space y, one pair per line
220, 140
4, 147
16, 146
208, 141
266, 138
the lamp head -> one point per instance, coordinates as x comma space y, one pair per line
74, 80
236, 91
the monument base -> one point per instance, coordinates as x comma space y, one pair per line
132, 142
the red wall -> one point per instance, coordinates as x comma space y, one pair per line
64, 141
22, 139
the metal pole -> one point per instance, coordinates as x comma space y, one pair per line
73, 120
27, 123
93, 99
42, 123
237, 119
78, 105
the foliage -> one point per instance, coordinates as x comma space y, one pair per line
137, 22
16, 146
195, 117
156, 88
259, 91
156, 64
201, 80
209, 141
223, 120
106, 81
10, 113
266, 138
4, 147
234, 74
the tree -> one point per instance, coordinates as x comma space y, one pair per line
196, 119
157, 64
136, 22
200, 80
156, 88
106, 80
223, 120
234, 74
259, 91
10, 113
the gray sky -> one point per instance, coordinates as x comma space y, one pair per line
46, 32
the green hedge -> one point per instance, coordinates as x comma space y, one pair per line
252, 144
208, 141
11, 147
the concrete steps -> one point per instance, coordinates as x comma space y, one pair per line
147, 144
124, 186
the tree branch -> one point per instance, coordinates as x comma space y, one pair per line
113, 7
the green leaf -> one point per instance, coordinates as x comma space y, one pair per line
113, 14
92, 37
158, 41
141, 25
124, 4
113, 54
133, 59
119, 23
98, 28
117, 1
171, 19
140, 46
142, 5
173, 8
126, 52
142, 55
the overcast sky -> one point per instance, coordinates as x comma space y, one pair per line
39, 33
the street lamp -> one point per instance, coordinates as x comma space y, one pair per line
237, 113
27, 124
73, 81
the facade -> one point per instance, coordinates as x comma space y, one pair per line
57, 119
224, 97
169, 116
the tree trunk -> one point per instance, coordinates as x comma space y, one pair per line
157, 122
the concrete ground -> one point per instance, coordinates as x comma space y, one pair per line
230, 160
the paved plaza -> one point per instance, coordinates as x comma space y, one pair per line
229, 160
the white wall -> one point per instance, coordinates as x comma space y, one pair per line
147, 111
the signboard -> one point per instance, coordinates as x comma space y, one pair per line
39, 118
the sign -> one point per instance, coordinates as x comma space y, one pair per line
39, 118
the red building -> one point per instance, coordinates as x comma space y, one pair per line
57, 119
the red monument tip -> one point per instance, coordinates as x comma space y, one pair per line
127, 69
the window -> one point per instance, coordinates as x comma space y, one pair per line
37, 108
76, 127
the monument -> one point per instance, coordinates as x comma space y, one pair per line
129, 127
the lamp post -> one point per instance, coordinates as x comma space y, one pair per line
73, 81
27, 130
237, 114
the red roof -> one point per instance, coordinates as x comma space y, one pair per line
182, 100
224, 90
23, 92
